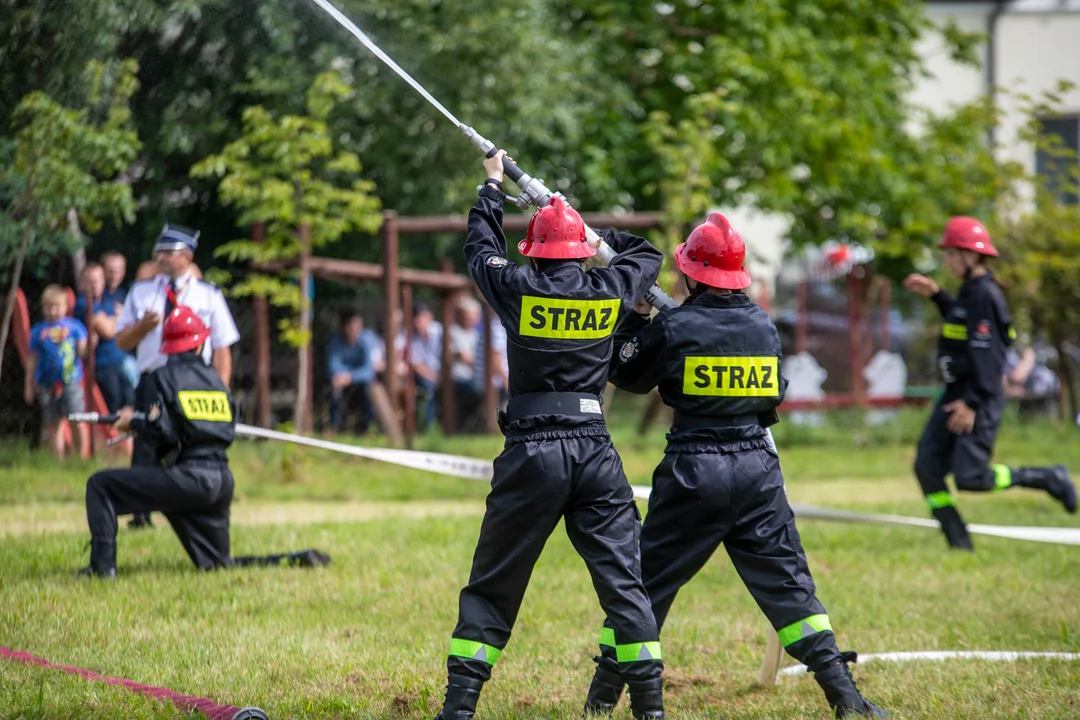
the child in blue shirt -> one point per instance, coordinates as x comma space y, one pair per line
54, 371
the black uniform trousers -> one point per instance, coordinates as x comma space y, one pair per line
536, 483
194, 496
940, 452
702, 499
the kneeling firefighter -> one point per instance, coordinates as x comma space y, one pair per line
558, 462
187, 417
716, 363
974, 342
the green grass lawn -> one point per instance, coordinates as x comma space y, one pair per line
366, 637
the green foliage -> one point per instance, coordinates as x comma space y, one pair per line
64, 159
1038, 232
284, 171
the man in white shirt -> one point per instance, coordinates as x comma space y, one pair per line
139, 325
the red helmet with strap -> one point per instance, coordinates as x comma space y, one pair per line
967, 233
556, 232
183, 331
715, 255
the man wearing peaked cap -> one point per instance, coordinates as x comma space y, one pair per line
138, 328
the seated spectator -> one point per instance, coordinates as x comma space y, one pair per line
464, 345
54, 371
352, 369
116, 388
425, 356
1032, 383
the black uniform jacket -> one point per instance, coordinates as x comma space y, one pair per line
974, 340
715, 361
560, 321
188, 409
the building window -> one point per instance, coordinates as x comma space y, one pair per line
1060, 171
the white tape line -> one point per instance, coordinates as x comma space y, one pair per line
474, 469
1059, 535
995, 655
455, 465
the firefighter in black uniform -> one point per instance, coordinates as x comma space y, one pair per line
187, 417
558, 461
716, 362
975, 337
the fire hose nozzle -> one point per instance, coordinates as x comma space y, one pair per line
482, 144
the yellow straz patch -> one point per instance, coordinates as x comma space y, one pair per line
212, 405
732, 376
952, 331
568, 319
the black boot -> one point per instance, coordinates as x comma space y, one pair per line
647, 700
841, 692
604, 693
102, 559
140, 520
954, 528
462, 692
1054, 479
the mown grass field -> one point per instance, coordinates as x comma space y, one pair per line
366, 637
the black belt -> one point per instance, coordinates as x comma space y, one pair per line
708, 422
582, 405
215, 454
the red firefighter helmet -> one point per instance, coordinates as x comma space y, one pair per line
183, 331
556, 232
967, 233
715, 255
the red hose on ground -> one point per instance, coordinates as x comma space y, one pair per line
187, 703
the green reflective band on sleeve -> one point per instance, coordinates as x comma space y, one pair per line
607, 637
633, 652
953, 331
1002, 476
474, 650
804, 628
939, 500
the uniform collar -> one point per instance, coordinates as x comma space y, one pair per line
735, 299
186, 358
987, 277
551, 267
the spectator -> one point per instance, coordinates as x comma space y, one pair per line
115, 268
1034, 385
464, 345
115, 265
54, 371
426, 358
352, 369
116, 389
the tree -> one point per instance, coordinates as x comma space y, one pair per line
284, 171
793, 107
66, 159
1038, 232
